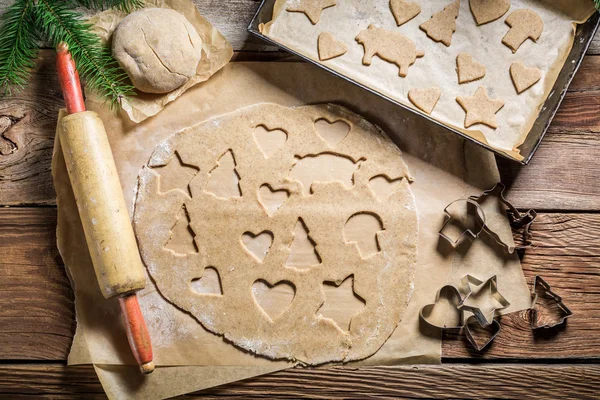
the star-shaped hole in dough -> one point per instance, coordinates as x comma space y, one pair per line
480, 108
176, 174
311, 8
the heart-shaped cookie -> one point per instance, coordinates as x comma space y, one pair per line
329, 47
404, 11
275, 299
468, 69
258, 244
272, 199
523, 77
486, 11
332, 132
425, 99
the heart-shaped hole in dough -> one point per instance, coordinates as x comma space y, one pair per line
258, 244
275, 299
269, 140
332, 132
272, 199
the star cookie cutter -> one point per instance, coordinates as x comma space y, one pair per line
468, 283
540, 286
457, 299
517, 220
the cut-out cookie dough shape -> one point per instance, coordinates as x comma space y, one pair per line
303, 250
480, 108
442, 25
390, 46
425, 99
332, 132
272, 199
329, 47
176, 175
208, 283
311, 8
485, 11
524, 24
258, 244
297, 333
269, 140
468, 69
325, 167
383, 186
183, 238
361, 229
275, 299
224, 179
523, 78
403, 11
341, 303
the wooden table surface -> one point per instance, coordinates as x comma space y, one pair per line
36, 301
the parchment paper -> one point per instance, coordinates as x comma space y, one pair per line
438, 67
444, 166
216, 52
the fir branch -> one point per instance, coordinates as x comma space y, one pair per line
123, 5
597, 2
18, 46
94, 61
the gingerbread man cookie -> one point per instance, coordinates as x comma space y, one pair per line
390, 46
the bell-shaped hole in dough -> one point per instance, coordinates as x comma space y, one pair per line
182, 240
272, 199
361, 229
176, 175
224, 181
332, 132
269, 140
341, 302
383, 186
275, 299
303, 250
258, 244
208, 283
324, 167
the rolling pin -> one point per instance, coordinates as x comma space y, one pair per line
102, 209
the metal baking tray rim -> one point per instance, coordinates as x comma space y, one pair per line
583, 38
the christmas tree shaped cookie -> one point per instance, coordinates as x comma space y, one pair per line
442, 25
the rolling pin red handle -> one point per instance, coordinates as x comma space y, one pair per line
69, 79
137, 332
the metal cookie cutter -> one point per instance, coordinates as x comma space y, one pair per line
456, 300
541, 287
475, 210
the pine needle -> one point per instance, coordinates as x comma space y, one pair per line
597, 2
58, 23
18, 46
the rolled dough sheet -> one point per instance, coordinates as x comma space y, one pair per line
444, 166
438, 67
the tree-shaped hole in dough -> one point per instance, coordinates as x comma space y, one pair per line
303, 250
182, 240
224, 181
176, 174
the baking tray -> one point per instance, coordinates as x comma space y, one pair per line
583, 37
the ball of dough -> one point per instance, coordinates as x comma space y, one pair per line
158, 48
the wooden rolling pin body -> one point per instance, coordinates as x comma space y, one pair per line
101, 204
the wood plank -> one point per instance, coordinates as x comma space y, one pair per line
562, 175
504, 381
36, 302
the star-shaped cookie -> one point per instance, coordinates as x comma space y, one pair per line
312, 8
480, 108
